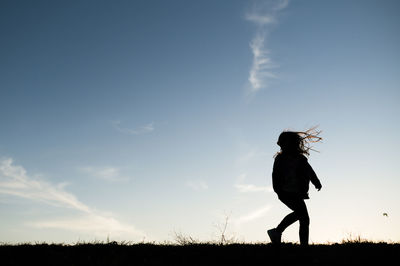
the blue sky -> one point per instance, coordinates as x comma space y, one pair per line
137, 119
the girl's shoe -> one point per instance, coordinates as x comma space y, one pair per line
275, 236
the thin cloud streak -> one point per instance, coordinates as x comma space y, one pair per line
281, 4
249, 188
98, 225
197, 184
249, 156
110, 174
253, 215
145, 129
262, 64
260, 20
261, 69
242, 187
15, 181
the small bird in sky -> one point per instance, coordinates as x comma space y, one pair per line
385, 214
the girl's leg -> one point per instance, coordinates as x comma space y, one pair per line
287, 221
299, 213
304, 231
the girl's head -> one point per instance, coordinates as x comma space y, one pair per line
298, 142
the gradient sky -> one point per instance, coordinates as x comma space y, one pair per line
136, 120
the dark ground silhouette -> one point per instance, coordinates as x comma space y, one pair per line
200, 254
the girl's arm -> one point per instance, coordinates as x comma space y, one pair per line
313, 177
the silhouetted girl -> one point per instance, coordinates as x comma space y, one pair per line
291, 176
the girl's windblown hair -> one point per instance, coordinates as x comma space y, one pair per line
298, 141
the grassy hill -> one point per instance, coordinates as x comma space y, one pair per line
199, 254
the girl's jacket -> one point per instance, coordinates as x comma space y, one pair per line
292, 174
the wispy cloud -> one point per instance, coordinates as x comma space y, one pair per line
144, 129
97, 225
253, 215
262, 65
197, 184
262, 16
249, 156
281, 4
260, 20
111, 174
242, 187
248, 188
15, 181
